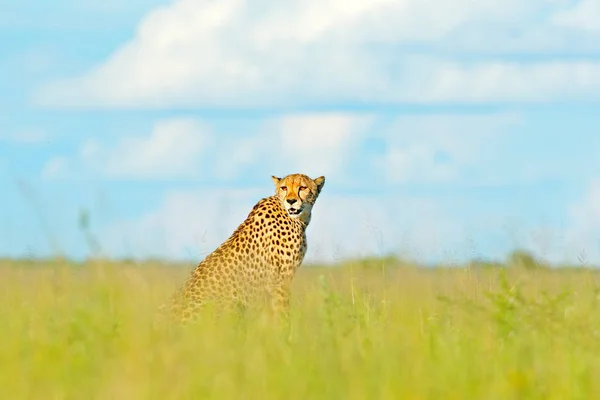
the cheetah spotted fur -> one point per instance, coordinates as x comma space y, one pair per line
260, 258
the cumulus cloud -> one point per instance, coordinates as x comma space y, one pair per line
347, 226
191, 224
320, 143
312, 143
583, 230
172, 149
328, 53
55, 167
444, 148
186, 224
432, 148
572, 234
422, 150
315, 144
30, 136
345, 147
582, 15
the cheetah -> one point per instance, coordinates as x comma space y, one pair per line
260, 258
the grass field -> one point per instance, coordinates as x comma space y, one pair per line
364, 330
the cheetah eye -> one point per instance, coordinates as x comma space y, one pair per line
303, 188
284, 188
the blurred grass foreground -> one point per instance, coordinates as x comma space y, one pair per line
371, 329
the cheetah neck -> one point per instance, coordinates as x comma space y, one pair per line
304, 220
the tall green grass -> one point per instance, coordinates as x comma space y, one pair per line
361, 331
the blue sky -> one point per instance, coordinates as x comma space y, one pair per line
446, 131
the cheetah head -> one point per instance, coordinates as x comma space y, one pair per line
298, 193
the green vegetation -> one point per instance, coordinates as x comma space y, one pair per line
375, 329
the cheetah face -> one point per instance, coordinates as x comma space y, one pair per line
298, 193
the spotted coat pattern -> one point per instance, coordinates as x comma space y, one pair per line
260, 258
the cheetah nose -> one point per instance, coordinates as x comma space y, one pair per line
291, 201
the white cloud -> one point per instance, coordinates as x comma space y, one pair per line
187, 224
56, 167
311, 143
353, 150
356, 226
583, 15
314, 144
239, 152
443, 148
319, 53
26, 136
583, 231
502, 81
429, 149
587, 212
320, 144
172, 149
191, 224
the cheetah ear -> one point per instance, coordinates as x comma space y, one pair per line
276, 180
320, 181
